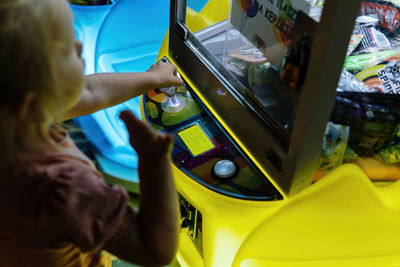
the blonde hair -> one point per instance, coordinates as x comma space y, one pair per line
28, 30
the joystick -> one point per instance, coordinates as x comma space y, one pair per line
174, 102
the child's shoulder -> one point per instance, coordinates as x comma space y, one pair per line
62, 152
60, 163
50, 165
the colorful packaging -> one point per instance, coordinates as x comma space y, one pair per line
384, 76
379, 171
390, 154
372, 117
358, 63
316, 2
388, 13
354, 42
333, 146
350, 155
373, 40
349, 83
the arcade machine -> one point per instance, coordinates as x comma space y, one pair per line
286, 138
282, 157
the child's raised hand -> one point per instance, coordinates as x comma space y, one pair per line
165, 74
147, 142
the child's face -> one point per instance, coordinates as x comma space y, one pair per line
70, 65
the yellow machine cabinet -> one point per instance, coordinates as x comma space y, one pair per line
245, 182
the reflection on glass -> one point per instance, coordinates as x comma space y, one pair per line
269, 61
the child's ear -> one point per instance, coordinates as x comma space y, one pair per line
25, 106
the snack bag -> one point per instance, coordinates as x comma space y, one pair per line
373, 40
379, 171
384, 76
388, 13
354, 42
390, 154
358, 63
333, 146
372, 118
349, 83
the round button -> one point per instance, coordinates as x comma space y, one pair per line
224, 169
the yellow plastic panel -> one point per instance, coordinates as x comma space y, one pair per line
226, 221
212, 13
344, 217
188, 257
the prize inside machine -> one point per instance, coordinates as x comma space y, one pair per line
118, 36
287, 141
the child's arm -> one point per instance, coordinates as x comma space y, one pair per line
108, 89
153, 236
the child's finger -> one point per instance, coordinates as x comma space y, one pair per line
129, 119
178, 81
127, 116
133, 124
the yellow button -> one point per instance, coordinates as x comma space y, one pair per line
196, 140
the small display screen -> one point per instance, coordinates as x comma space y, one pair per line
196, 140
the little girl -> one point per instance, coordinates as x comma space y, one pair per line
55, 209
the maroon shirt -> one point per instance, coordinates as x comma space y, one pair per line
56, 210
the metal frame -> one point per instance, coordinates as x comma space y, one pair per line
290, 164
